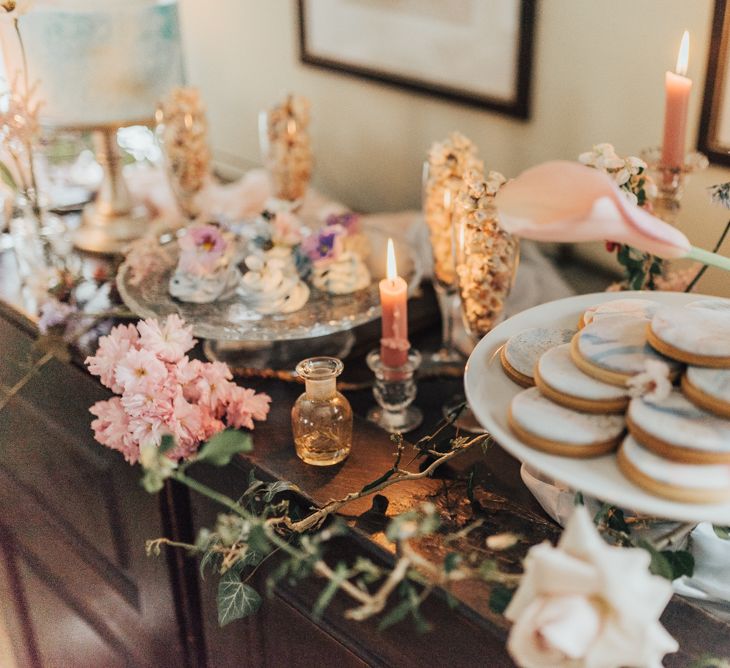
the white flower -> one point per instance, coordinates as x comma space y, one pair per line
635, 165
653, 383
585, 604
622, 176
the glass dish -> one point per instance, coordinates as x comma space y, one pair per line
233, 320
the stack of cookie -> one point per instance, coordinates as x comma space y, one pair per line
678, 445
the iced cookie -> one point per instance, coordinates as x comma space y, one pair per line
694, 334
708, 388
677, 429
521, 352
689, 483
546, 426
613, 349
631, 308
716, 304
564, 383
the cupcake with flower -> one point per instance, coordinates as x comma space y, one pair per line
272, 283
206, 269
337, 253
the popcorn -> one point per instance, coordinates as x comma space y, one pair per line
487, 256
289, 156
447, 163
183, 130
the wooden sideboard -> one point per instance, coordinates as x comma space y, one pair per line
76, 588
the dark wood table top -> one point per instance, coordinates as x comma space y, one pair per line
504, 503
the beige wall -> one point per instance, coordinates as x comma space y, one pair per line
598, 76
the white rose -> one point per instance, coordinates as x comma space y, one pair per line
587, 604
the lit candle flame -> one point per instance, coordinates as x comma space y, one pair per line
683, 57
392, 268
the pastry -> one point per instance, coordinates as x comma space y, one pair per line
272, 286
342, 275
677, 429
562, 382
632, 308
689, 483
206, 269
696, 334
613, 349
521, 352
546, 426
708, 388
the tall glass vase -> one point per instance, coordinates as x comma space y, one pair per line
182, 133
486, 264
285, 147
438, 210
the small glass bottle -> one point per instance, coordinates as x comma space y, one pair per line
321, 417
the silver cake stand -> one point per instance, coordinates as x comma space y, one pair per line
243, 338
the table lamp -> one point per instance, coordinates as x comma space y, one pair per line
102, 65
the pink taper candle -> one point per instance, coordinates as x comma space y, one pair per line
678, 88
394, 343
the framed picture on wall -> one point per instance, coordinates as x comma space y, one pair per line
714, 135
478, 52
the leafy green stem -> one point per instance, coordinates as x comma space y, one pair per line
210, 493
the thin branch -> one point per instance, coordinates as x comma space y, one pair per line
674, 536
379, 599
316, 518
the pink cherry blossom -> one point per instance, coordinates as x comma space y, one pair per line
569, 202
139, 371
164, 392
214, 386
111, 428
112, 348
187, 373
169, 341
245, 406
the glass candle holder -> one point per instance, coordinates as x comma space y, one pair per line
321, 417
670, 181
395, 390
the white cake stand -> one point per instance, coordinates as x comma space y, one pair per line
489, 393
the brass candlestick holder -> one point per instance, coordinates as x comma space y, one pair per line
670, 181
110, 222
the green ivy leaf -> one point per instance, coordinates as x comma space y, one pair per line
167, 443
209, 559
328, 593
721, 532
397, 614
257, 540
667, 563
452, 560
222, 447
499, 598
681, 561
236, 600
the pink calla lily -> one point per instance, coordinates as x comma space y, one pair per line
569, 202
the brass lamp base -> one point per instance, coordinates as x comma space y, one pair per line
109, 232
110, 222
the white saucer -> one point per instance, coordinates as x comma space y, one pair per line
490, 391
